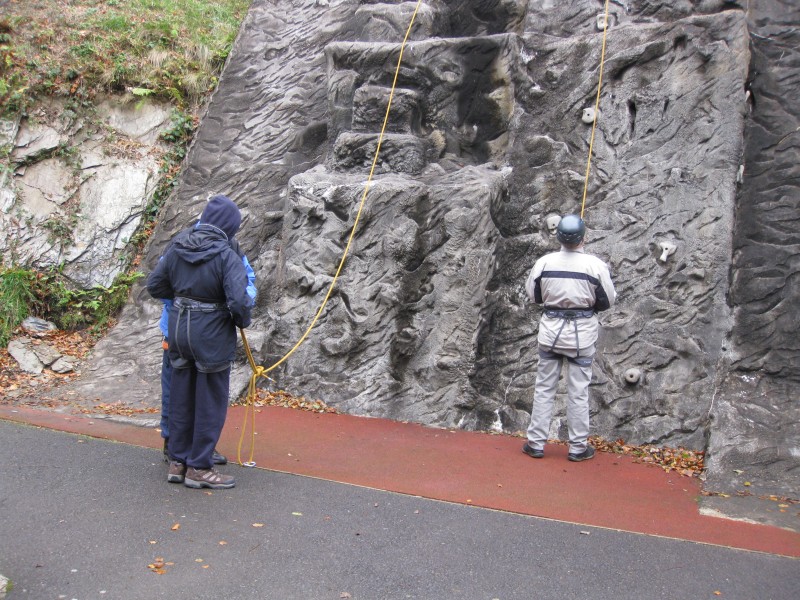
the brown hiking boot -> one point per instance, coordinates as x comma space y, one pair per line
177, 472
210, 478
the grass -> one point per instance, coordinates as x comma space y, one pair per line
169, 49
25, 292
16, 298
78, 50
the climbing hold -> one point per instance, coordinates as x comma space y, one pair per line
667, 250
601, 22
552, 222
588, 115
633, 376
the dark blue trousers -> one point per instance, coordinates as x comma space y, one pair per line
198, 404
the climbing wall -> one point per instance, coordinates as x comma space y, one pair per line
485, 148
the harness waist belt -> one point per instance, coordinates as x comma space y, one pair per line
569, 313
192, 304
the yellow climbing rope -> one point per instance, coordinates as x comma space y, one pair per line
596, 109
259, 371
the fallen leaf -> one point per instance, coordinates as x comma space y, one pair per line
345, 595
258, 524
297, 514
176, 527
205, 566
153, 542
223, 543
747, 483
198, 560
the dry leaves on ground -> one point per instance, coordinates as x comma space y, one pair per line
15, 383
120, 409
287, 400
689, 463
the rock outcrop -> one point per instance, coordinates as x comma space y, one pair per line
79, 188
486, 146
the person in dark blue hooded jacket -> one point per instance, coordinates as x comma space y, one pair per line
205, 279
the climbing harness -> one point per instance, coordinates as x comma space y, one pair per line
568, 315
259, 371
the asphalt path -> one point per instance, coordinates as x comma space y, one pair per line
84, 518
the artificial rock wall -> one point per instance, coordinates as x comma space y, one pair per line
486, 146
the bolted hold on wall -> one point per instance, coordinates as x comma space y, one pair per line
552, 222
588, 115
667, 250
632, 376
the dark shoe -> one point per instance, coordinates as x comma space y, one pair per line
177, 472
166, 452
218, 459
208, 478
532, 452
585, 455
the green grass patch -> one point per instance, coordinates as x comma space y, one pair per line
49, 295
16, 299
174, 48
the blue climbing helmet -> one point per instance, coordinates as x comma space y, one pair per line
570, 230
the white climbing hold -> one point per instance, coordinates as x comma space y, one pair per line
588, 115
633, 375
552, 222
667, 250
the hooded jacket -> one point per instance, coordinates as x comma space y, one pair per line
205, 278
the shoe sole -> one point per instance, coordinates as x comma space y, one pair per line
530, 452
533, 455
175, 478
198, 485
580, 459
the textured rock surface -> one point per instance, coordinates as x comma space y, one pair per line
755, 434
429, 321
78, 190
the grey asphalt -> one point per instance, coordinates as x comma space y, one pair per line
83, 518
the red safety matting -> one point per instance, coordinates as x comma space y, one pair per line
456, 466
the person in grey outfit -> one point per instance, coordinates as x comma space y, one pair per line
573, 287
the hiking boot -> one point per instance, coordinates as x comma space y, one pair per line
209, 478
177, 472
585, 455
218, 459
532, 452
166, 452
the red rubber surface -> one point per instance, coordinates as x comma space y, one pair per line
469, 468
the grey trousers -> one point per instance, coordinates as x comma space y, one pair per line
579, 375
